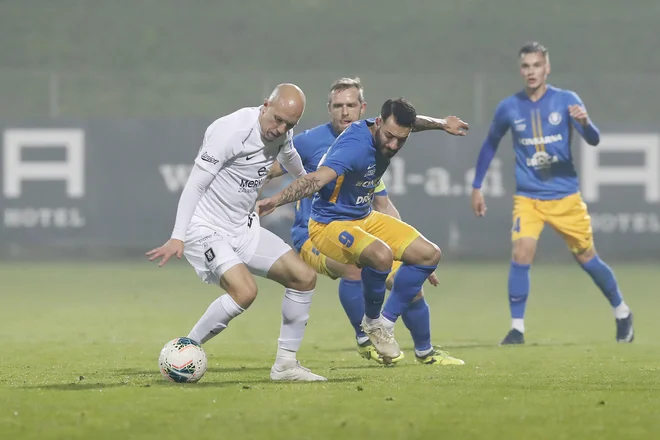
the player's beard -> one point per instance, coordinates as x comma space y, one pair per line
379, 146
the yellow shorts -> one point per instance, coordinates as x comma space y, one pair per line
344, 240
568, 216
319, 262
315, 259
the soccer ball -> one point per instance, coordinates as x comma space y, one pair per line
182, 360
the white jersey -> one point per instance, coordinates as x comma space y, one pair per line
237, 161
235, 153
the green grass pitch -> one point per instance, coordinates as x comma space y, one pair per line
81, 343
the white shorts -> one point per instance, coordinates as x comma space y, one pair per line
212, 251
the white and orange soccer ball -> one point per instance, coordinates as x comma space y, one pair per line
182, 360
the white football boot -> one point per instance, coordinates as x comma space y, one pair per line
383, 340
295, 371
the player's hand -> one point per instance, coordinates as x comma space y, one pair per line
478, 203
456, 126
265, 207
433, 279
168, 250
579, 113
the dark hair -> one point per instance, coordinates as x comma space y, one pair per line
344, 84
533, 47
404, 113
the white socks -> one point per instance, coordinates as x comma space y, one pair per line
518, 324
216, 319
295, 313
621, 311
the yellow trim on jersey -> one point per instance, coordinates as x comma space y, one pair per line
535, 133
539, 127
380, 187
335, 193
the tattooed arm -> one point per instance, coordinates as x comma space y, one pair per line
450, 124
303, 187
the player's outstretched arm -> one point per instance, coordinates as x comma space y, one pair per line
303, 187
195, 187
451, 124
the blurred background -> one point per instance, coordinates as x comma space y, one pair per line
104, 105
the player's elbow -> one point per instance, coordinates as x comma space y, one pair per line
594, 141
325, 175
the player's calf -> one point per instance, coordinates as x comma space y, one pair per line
299, 279
241, 292
604, 278
407, 285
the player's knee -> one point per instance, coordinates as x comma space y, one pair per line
430, 254
378, 255
303, 279
523, 251
584, 256
243, 294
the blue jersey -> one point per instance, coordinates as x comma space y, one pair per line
311, 146
359, 167
542, 133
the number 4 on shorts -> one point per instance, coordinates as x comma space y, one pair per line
516, 225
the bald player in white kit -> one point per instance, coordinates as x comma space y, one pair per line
220, 235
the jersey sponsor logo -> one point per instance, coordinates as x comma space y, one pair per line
250, 157
541, 160
262, 171
521, 127
554, 118
250, 185
367, 183
363, 200
208, 158
371, 171
545, 140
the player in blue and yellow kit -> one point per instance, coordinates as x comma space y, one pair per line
346, 105
344, 227
541, 119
